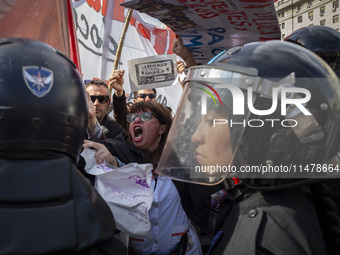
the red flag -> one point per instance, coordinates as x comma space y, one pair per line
48, 21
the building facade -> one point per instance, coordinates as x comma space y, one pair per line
295, 14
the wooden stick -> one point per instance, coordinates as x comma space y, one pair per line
121, 41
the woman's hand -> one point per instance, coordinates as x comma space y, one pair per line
102, 153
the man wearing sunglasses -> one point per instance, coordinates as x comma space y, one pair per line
145, 95
99, 94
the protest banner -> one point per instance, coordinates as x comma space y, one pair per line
208, 27
99, 26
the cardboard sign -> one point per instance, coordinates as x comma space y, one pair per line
152, 72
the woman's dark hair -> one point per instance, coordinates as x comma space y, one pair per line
163, 115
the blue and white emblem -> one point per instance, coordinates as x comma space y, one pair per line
38, 79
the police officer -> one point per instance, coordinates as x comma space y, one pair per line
266, 113
47, 206
322, 40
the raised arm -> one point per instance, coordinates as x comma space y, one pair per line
116, 81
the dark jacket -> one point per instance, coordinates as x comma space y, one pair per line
120, 110
47, 206
112, 128
280, 222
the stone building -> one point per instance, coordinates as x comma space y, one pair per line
295, 14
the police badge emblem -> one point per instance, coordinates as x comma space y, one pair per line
39, 80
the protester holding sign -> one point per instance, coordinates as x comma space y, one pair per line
116, 81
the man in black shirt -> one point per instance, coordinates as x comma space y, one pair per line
99, 93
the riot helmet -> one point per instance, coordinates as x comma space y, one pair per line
323, 41
43, 105
264, 110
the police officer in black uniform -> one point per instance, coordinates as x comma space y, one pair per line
275, 106
322, 40
46, 205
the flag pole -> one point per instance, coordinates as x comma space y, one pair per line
121, 41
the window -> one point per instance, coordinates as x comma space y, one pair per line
323, 22
335, 5
322, 10
283, 25
298, 8
310, 15
336, 18
283, 36
309, 3
300, 19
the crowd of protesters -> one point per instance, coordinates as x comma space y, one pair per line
213, 213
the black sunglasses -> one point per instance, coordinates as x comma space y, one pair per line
145, 116
143, 95
101, 99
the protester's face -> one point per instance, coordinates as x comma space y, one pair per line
146, 135
101, 108
213, 143
145, 95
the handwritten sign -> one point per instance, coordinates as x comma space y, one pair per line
152, 72
208, 27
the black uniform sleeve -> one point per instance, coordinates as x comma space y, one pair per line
120, 110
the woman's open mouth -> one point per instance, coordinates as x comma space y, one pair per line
138, 133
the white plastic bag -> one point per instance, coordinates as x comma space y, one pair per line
127, 191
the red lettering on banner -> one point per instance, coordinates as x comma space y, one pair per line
236, 14
206, 14
242, 23
238, 18
95, 4
118, 10
241, 29
207, 10
219, 6
266, 23
253, 6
